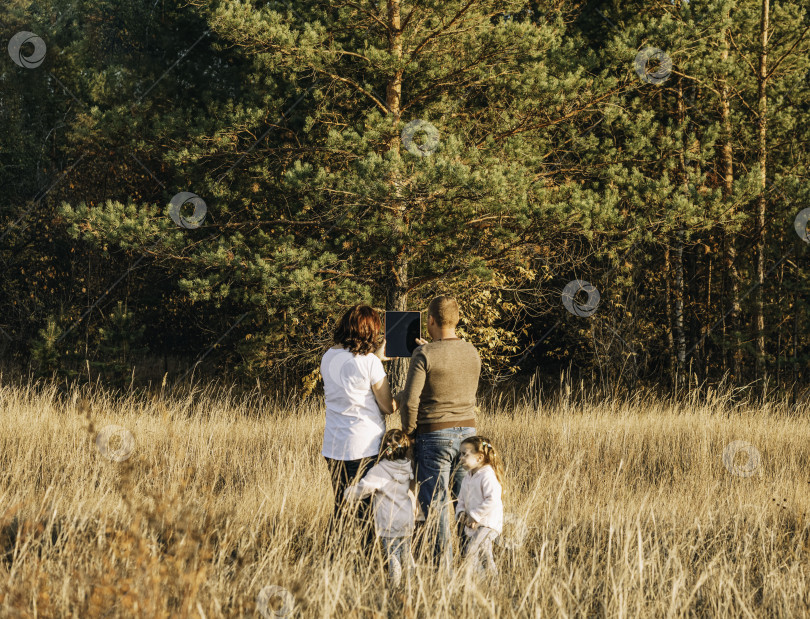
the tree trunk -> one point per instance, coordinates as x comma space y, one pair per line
396, 301
706, 353
730, 240
796, 338
680, 333
673, 362
762, 132
397, 287
781, 322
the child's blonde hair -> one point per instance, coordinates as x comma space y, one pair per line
394, 445
482, 445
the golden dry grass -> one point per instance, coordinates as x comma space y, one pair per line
630, 512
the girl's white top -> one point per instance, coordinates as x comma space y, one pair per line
393, 503
480, 497
354, 424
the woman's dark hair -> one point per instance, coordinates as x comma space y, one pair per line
359, 330
394, 445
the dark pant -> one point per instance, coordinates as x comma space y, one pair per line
439, 474
343, 473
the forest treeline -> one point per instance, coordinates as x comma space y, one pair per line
208, 184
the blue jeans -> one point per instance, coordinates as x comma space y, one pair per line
438, 471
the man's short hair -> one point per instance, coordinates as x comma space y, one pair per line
444, 311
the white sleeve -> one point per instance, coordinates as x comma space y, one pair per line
377, 371
375, 479
491, 491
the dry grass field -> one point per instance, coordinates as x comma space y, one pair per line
629, 510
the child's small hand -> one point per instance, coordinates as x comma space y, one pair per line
467, 520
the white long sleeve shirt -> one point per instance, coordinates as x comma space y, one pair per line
480, 497
393, 503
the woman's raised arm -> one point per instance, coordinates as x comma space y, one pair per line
382, 393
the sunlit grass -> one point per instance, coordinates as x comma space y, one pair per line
629, 508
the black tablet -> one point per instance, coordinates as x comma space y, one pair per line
401, 331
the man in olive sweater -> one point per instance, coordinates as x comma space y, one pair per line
437, 408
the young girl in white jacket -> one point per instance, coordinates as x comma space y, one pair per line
391, 483
480, 506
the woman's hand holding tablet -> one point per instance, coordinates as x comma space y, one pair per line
380, 352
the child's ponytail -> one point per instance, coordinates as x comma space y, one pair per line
394, 445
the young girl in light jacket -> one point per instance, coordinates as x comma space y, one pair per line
480, 507
391, 484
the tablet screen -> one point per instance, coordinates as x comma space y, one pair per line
401, 331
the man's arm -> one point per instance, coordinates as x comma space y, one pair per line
409, 397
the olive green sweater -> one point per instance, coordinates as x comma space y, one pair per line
441, 384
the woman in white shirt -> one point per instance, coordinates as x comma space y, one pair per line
357, 398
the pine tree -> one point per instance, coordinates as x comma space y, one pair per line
120, 344
392, 212
46, 356
548, 158
347, 213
